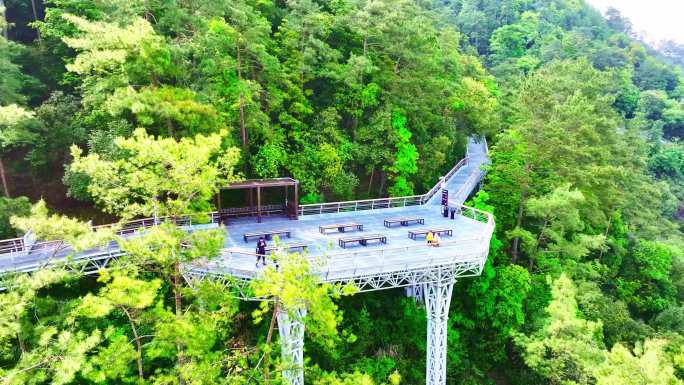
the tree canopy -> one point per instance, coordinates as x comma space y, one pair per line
116, 110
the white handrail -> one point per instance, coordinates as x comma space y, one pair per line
318, 208
477, 214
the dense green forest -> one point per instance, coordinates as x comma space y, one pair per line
119, 109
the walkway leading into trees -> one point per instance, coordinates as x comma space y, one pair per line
399, 261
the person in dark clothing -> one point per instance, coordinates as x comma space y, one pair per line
261, 251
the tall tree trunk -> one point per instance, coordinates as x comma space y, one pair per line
383, 179
269, 336
370, 182
22, 344
138, 345
243, 129
521, 210
605, 234
356, 103
35, 17
170, 129
302, 48
3, 177
179, 312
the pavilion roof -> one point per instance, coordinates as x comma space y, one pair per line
254, 183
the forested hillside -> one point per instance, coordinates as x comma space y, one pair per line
120, 109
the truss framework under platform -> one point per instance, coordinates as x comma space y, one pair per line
411, 278
435, 285
291, 329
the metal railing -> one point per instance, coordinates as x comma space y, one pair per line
129, 227
466, 211
11, 248
355, 263
361, 205
463, 162
379, 203
462, 193
13, 245
21, 245
18, 246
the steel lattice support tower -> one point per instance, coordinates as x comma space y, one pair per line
437, 299
291, 328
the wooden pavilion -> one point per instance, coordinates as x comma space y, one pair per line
254, 187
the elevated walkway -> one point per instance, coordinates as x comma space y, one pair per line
400, 262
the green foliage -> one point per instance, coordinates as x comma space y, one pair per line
15, 126
355, 99
9, 208
567, 348
55, 227
560, 238
649, 364
57, 129
645, 282
294, 287
46, 352
668, 162
406, 157
356, 378
651, 74
12, 79
512, 40
670, 319
618, 324
158, 177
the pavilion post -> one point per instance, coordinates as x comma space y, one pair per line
287, 204
258, 204
296, 201
218, 206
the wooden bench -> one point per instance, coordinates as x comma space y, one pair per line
415, 233
266, 234
341, 227
362, 240
404, 221
288, 246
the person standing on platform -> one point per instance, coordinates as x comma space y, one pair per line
261, 252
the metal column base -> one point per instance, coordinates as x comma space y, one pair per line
291, 328
437, 299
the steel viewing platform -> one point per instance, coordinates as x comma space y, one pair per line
429, 272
